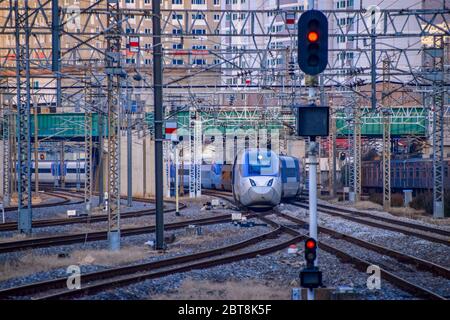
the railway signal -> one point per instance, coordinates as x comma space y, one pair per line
313, 42
310, 252
310, 277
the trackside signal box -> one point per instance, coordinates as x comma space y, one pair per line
313, 121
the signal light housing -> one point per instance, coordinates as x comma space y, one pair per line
313, 42
310, 252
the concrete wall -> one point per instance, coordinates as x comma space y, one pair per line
140, 181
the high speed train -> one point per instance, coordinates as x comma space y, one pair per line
259, 178
49, 171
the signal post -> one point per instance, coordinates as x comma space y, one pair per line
312, 122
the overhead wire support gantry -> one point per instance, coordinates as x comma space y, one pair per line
114, 72
22, 38
438, 57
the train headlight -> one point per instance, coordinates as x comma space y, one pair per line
253, 183
269, 184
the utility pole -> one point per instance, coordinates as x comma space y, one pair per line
158, 106
386, 119
177, 205
7, 119
129, 152
56, 50
144, 166
357, 152
61, 166
373, 62
100, 129
89, 102
437, 54
88, 149
332, 156
36, 146
114, 71
22, 37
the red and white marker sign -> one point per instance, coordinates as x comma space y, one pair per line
171, 131
290, 20
133, 43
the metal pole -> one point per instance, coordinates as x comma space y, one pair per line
438, 127
158, 105
129, 160
114, 71
332, 157
312, 199
22, 37
78, 172
36, 146
373, 64
100, 124
56, 50
6, 156
386, 137
177, 209
62, 173
144, 166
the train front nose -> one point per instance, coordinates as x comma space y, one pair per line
263, 195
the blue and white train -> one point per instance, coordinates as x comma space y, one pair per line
259, 178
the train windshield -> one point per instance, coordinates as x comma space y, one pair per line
260, 163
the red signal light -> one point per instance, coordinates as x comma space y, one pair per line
310, 244
313, 36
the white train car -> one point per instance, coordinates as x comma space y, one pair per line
256, 179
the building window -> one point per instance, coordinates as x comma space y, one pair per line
198, 1
177, 46
147, 61
177, 16
198, 16
198, 31
216, 2
129, 1
216, 17
176, 31
199, 61
198, 47
177, 1
177, 61
147, 1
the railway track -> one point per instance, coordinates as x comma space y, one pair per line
386, 219
114, 277
11, 226
402, 258
361, 264
66, 200
408, 228
59, 240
